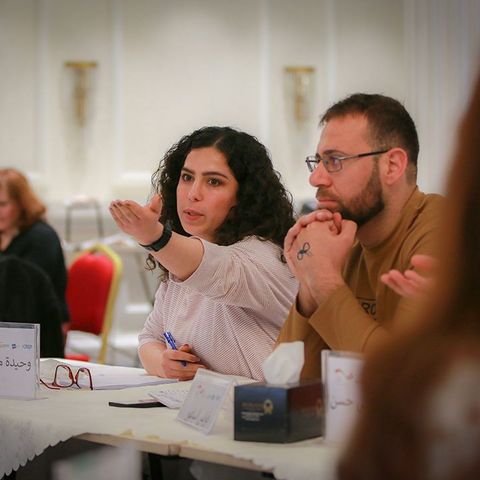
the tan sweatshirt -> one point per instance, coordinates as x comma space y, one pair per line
359, 315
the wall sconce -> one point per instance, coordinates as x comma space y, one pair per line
299, 83
82, 83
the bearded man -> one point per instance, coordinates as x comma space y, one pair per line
371, 218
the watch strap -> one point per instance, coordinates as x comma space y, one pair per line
161, 242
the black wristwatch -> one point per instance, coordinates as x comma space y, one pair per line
161, 242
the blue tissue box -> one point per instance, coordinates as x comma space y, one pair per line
279, 413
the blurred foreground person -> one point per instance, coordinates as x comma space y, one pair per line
421, 412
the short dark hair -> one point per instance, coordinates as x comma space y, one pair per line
264, 206
389, 123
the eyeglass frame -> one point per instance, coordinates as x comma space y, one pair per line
73, 377
316, 159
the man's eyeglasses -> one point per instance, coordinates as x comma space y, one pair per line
333, 163
65, 378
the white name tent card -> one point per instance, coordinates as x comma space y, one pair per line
341, 375
204, 400
19, 359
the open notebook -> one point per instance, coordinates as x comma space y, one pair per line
104, 377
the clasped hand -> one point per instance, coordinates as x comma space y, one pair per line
316, 248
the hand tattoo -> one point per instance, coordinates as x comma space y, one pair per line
305, 250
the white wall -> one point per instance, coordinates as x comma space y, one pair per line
353, 45
18, 55
166, 67
442, 42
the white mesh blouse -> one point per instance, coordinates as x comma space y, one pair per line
230, 310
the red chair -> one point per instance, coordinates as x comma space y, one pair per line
92, 288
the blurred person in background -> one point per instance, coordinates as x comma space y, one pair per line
25, 233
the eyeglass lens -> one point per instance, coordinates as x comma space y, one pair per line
63, 376
331, 163
83, 378
311, 164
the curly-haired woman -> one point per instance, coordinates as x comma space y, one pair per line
216, 227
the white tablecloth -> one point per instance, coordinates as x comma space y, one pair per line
28, 427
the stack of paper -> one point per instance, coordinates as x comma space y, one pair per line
104, 377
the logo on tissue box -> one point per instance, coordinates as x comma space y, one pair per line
268, 407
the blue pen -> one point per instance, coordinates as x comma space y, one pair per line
171, 341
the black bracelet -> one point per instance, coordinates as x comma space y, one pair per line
161, 242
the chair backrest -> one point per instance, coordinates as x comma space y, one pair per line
27, 295
92, 288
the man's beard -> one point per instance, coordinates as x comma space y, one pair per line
367, 204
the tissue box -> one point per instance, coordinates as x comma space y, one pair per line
279, 413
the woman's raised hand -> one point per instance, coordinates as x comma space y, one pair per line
141, 222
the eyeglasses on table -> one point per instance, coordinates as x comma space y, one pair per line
65, 377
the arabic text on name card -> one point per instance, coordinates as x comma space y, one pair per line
341, 374
19, 355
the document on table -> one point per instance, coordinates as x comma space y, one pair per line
109, 381
104, 377
174, 396
171, 398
